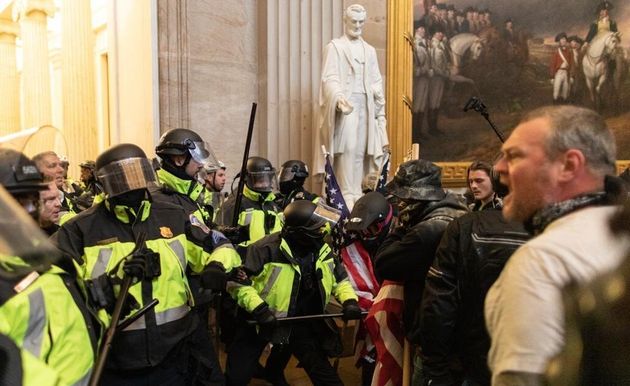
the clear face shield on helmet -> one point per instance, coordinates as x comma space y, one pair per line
126, 175
263, 182
323, 219
202, 153
24, 248
289, 173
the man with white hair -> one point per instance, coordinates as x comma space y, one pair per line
352, 123
557, 165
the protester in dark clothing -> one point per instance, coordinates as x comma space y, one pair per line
452, 335
408, 251
484, 186
370, 219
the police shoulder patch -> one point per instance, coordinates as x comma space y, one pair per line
194, 221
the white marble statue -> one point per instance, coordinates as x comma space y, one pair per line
352, 123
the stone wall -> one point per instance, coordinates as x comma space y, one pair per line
217, 57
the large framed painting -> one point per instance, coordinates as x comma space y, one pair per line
514, 56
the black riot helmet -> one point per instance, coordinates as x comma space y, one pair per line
123, 168
370, 215
20, 177
304, 219
18, 174
293, 169
187, 143
261, 175
292, 175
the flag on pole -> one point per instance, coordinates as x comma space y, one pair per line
334, 198
382, 178
385, 326
358, 264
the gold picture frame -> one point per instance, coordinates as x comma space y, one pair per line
399, 78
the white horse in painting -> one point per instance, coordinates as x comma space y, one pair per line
595, 63
461, 46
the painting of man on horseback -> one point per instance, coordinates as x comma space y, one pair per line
507, 54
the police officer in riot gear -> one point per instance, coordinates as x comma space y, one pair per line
183, 154
42, 308
21, 280
272, 263
291, 179
157, 347
259, 212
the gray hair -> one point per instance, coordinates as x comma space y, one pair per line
579, 128
38, 158
357, 8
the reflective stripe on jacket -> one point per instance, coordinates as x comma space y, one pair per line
188, 194
45, 321
276, 277
259, 214
102, 236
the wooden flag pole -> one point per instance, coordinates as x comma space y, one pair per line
407, 364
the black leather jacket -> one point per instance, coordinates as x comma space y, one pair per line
452, 334
408, 251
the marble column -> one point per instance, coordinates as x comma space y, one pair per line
10, 90
399, 76
77, 73
292, 37
32, 16
173, 46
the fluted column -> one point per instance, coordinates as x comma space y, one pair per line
399, 77
9, 82
77, 73
293, 35
32, 17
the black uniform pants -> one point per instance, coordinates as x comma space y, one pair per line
171, 372
192, 362
303, 343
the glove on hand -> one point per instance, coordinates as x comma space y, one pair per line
236, 235
136, 267
263, 315
351, 310
214, 277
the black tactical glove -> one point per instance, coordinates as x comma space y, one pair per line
236, 235
264, 316
351, 310
214, 277
136, 267
101, 295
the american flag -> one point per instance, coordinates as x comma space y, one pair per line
382, 179
334, 198
384, 324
